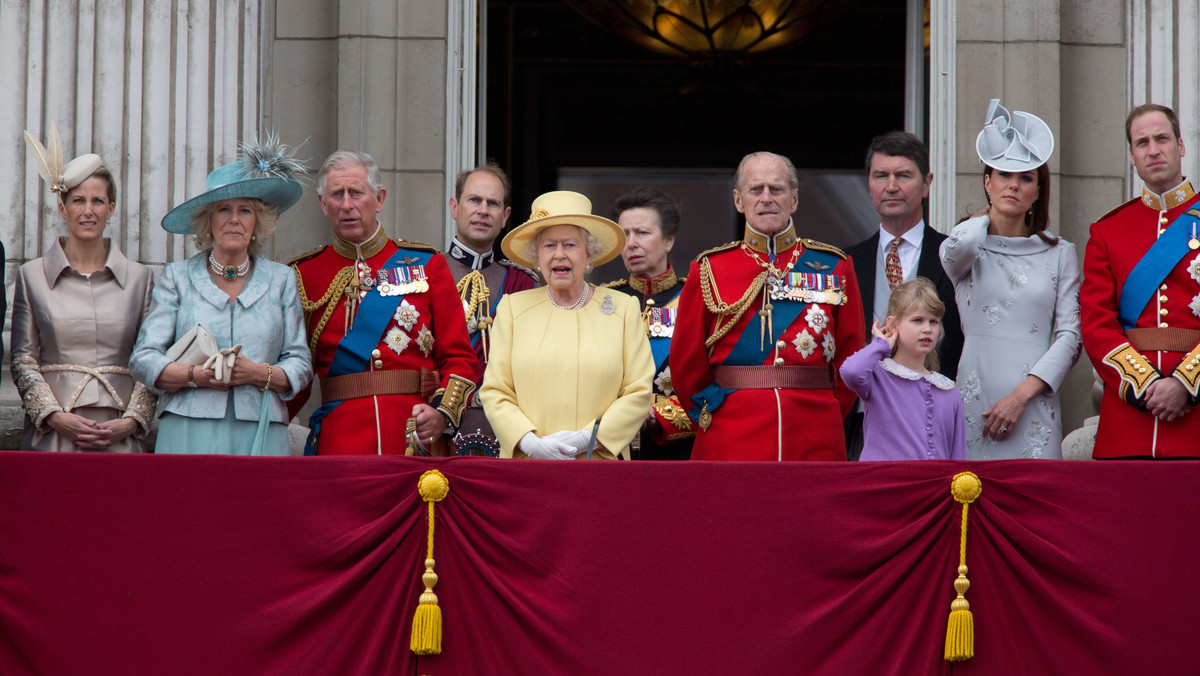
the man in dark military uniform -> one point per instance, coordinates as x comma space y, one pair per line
763, 326
386, 327
480, 208
650, 220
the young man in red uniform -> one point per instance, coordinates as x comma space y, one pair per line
763, 326
1141, 301
385, 326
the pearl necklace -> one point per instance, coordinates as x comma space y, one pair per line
228, 272
574, 306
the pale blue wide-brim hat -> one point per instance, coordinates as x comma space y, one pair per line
264, 171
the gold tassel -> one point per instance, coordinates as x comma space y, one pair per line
427, 622
960, 630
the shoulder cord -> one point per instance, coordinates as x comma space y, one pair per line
732, 311
337, 287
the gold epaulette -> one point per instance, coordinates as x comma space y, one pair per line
718, 249
822, 246
1136, 371
1117, 208
405, 244
517, 266
1188, 371
305, 256
615, 283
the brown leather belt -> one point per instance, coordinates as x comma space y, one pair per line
371, 383
1163, 340
772, 377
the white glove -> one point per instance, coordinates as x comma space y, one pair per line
221, 363
578, 441
545, 448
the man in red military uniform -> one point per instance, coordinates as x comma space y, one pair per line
763, 326
1140, 301
385, 326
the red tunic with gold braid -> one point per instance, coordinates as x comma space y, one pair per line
1128, 362
427, 332
722, 304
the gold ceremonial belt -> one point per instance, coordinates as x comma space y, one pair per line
371, 383
1163, 340
774, 377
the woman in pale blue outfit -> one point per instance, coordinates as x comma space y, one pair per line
1017, 288
240, 298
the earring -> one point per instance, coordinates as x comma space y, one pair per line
589, 267
253, 237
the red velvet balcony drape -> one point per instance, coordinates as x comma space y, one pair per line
213, 565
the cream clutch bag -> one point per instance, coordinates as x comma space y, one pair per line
195, 347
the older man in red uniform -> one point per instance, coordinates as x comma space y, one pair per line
1141, 301
763, 326
386, 327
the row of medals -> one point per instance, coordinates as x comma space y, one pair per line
781, 291
367, 281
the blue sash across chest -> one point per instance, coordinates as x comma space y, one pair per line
354, 350
1155, 265
662, 328
751, 347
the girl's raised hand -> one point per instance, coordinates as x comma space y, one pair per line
884, 333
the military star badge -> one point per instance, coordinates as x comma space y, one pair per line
425, 340
407, 315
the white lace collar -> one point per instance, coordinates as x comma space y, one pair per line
936, 379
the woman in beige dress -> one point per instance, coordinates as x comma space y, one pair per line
75, 316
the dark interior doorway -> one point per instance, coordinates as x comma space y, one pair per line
568, 98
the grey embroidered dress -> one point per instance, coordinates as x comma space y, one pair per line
1018, 298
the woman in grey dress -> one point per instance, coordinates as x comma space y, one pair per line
76, 314
1017, 288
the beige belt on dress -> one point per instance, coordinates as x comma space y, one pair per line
89, 372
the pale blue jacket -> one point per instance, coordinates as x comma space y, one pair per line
266, 319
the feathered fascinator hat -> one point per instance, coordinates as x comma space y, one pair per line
50, 165
265, 170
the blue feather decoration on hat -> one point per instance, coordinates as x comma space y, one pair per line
270, 158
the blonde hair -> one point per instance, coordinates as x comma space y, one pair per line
265, 219
918, 294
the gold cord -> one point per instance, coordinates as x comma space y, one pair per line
337, 288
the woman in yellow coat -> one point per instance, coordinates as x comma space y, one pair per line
569, 372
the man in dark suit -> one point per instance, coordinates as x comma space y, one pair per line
898, 177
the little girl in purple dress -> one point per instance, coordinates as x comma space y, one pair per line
911, 412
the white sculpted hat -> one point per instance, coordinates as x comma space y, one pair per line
1016, 141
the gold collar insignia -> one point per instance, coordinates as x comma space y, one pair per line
653, 285
1170, 199
756, 241
363, 250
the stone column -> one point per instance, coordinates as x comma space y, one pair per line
367, 75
